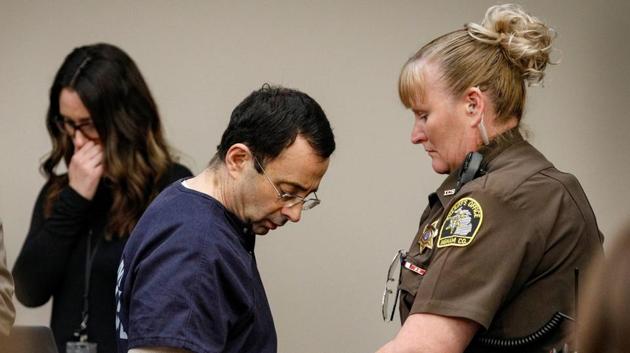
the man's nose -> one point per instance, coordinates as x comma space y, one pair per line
293, 213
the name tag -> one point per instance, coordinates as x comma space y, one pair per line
413, 268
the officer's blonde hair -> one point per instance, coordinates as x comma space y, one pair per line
499, 55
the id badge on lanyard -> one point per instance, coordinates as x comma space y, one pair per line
82, 345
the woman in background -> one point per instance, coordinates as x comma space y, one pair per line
105, 126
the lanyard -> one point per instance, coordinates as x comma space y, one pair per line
81, 332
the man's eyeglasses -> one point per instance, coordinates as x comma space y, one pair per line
392, 284
70, 128
290, 200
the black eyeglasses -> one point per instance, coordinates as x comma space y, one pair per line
392, 287
290, 200
70, 128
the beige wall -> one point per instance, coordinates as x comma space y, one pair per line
324, 276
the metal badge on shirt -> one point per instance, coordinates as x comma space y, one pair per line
461, 224
426, 239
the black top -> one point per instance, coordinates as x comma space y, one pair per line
52, 262
188, 279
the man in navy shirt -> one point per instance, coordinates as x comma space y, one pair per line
188, 280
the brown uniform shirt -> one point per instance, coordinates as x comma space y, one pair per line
502, 250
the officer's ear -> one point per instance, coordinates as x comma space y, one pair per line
474, 103
237, 159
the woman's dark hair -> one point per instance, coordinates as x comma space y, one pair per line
122, 109
270, 119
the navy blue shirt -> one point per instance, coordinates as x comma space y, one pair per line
188, 279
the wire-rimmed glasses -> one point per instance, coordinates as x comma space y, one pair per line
392, 284
290, 200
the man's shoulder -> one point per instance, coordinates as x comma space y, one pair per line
178, 202
179, 214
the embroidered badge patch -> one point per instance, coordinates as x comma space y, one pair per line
461, 224
426, 239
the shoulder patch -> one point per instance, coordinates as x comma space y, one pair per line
461, 223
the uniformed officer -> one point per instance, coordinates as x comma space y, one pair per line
492, 266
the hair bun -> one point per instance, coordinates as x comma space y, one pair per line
525, 39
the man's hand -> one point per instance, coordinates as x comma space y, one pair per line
85, 169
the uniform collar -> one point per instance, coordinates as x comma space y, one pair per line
496, 147
499, 144
511, 148
446, 191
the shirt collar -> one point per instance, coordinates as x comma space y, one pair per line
446, 191
244, 230
499, 144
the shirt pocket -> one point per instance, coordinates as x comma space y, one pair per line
414, 268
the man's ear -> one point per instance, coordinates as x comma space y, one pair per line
237, 159
475, 104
